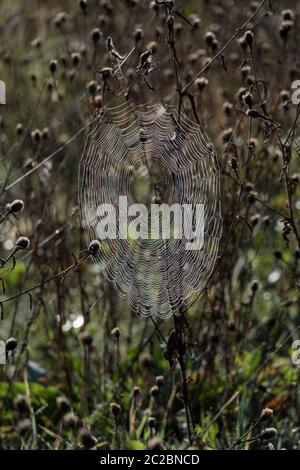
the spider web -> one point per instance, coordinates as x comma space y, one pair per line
156, 276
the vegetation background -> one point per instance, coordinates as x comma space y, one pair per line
83, 371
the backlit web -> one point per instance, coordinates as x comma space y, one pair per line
151, 155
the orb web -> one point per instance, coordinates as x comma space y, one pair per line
149, 154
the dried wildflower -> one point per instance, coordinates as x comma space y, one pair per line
227, 108
210, 37
151, 422
145, 360
76, 58
136, 392
45, 133
36, 135
268, 434
201, 83
254, 285
86, 338
24, 426
138, 34
11, 344
159, 380
96, 35
248, 99
249, 38
16, 206
252, 113
155, 444
227, 135
86, 439
60, 19
94, 247
153, 5
115, 332
153, 47
287, 15
53, 66
22, 243
154, 391
63, 404
19, 129
266, 414
69, 420
98, 101
285, 95
285, 29
91, 87
83, 5
115, 409
21, 403
37, 42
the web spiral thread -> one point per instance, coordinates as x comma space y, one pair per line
156, 276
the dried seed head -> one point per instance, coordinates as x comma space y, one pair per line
106, 73
92, 87
76, 58
98, 101
151, 422
241, 93
60, 19
252, 113
22, 243
24, 426
277, 254
115, 332
53, 66
69, 420
201, 83
153, 47
154, 391
96, 35
159, 380
37, 42
63, 404
268, 434
115, 409
287, 15
21, 403
254, 285
155, 444
227, 135
136, 392
285, 29
153, 5
86, 439
248, 99
45, 133
83, 5
86, 338
249, 38
285, 95
16, 206
94, 247
227, 108
19, 129
266, 414
138, 34
145, 360
210, 37
36, 135
11, 344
